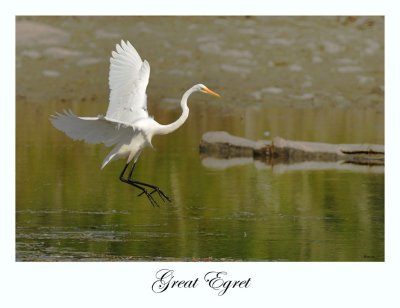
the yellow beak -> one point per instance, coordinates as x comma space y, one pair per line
206, 90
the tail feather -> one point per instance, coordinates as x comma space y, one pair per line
111, 156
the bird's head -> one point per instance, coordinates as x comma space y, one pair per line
202, 88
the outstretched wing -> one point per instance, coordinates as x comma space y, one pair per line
91, 129
128, 80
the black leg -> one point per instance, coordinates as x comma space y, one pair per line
144, 191
130, 173
162, 195
140, 185
123, 171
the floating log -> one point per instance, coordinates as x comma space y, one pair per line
224, 145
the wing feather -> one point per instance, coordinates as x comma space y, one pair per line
91, 129
128, 80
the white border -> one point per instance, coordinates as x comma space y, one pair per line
128, 284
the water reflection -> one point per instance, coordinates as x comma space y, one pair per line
222, 164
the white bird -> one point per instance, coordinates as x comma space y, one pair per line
127, 125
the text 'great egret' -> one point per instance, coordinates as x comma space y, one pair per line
127, 124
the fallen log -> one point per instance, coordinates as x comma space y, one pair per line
224, 145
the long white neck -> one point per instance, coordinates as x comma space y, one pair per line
166, 129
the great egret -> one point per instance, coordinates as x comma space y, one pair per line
127, 124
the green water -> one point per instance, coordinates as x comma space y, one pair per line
69, 209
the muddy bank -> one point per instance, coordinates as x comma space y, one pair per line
305, 62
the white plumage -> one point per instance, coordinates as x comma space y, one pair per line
128, 80
126, 125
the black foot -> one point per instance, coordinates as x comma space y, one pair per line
150, 197
144, 191
162, 195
